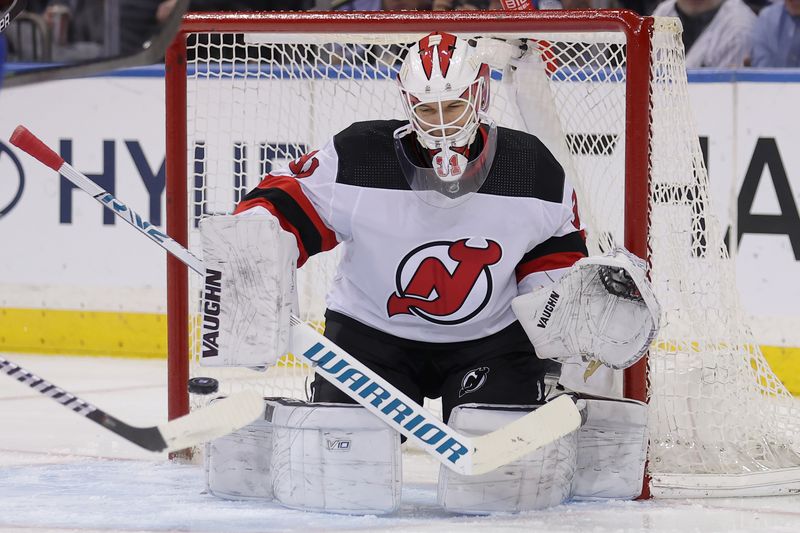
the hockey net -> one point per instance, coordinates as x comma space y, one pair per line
613, 100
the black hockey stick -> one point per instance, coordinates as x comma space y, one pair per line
11, 13
153, 53
220, 418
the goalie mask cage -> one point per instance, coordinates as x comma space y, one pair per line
605, 90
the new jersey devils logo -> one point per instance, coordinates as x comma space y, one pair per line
473, 380
444, 282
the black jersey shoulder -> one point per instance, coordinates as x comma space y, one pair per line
523, 166
367, 155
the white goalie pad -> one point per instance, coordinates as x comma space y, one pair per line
335, 458
237, 465
249, 289
538, 480
603, 309
612, 449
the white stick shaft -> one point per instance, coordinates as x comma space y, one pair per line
25, 140
134, 219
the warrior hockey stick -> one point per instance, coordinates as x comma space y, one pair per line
216, 420
463, 454
11, 13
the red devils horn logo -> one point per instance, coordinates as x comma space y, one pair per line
440, 45
444, 282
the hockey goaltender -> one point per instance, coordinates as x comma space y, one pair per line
464, 275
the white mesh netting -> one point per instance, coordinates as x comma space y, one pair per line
255, 102
715, 405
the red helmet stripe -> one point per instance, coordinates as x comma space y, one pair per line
426, 56
446, 48
444, 51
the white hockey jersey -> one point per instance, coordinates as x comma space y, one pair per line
413, 270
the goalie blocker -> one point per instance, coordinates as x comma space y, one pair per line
249, 290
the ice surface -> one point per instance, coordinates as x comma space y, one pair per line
59, 472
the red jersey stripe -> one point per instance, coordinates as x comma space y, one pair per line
289, 187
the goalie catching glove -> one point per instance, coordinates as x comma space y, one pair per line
249, 289
603, 309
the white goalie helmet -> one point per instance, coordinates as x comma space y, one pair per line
444, 84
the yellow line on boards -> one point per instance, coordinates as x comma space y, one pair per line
144, 335
102, 333
785, 362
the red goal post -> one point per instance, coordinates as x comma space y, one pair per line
637, 32
252, 89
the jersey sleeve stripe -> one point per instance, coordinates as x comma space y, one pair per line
548, 262
554, 253
574, 241
283, 197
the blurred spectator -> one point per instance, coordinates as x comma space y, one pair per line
446, 5
407, 5
33, 6
141, 19
450, 5
165, 6
137, 24
758, 5
643, 7
345, 5
164, 10
28, 37
76, 27
716, 33
776, 36
358, 5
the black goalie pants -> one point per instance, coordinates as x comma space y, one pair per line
498, 369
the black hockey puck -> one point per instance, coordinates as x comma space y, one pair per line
201, 385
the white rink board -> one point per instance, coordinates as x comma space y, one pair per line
80, 262
115, 126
